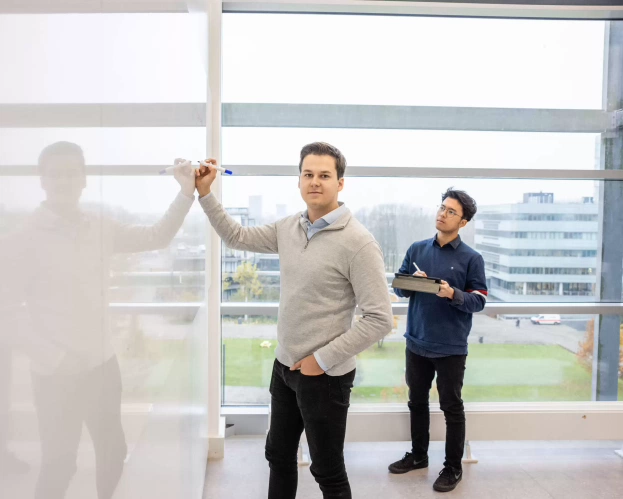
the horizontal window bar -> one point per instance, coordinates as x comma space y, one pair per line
271, 309
415, 118
102, 115
484, 407
432, 172
587, 11
352, 171
428, 9
306, 116
154, 308
92, 6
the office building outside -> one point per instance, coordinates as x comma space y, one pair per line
539, 247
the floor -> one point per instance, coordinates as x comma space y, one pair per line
506, 470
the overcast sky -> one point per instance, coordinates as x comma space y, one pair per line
305, 59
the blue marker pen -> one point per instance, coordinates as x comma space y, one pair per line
169, 169
219, 168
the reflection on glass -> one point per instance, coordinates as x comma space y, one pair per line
57, 267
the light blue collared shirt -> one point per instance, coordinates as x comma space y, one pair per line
323, 222
313, 228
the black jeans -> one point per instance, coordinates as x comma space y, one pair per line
450, 373
64, 403
318, 404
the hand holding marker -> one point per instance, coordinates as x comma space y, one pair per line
170, 169
219, 168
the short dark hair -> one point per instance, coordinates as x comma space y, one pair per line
324, 149
60, 149
467, 202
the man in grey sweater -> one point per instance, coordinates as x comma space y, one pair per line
330, 263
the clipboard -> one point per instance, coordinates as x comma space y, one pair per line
410, 282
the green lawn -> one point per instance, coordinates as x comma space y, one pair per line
504, 373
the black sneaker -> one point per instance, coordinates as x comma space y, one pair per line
407, 463
448, 479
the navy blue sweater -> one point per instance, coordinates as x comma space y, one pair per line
440, 326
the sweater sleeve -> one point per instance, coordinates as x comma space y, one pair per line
262, 239
473, 298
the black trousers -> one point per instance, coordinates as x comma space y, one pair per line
450, 373
64, 403
319, 405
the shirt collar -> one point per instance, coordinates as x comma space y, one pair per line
454, 243
329, 218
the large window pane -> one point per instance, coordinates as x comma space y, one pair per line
423, 61
84, 58
93, 327
421, 148
539, 244
506, 362
102, 328
249, 344
539, 239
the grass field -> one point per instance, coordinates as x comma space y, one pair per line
504, 373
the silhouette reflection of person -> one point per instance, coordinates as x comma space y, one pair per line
58, 269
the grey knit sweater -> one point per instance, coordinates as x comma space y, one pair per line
322, 281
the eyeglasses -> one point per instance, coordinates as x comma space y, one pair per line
450, 213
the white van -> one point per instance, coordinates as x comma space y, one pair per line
552, 319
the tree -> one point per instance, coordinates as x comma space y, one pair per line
248, 281
587, 345
396, 227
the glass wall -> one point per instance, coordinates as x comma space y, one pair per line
412, 61
518, 270
102, 328
542, 235
508, 362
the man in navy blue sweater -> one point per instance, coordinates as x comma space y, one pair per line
437, 331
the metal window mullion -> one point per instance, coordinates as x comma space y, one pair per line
352, 171
439, 9
610, 255
352, 7
392, 117
434, 172
501, 308
340, 116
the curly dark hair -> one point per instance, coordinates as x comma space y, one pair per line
465, 200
